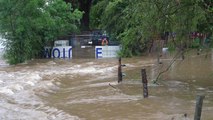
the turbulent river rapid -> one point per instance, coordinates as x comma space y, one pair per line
87, 89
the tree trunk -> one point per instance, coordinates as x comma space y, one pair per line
82, 5
74, 3
85, 5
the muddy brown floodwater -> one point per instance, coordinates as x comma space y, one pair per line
87, 89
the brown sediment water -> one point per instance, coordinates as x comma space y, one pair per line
87, 89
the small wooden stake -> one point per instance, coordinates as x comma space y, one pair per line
144, 81
198, 109
119, 71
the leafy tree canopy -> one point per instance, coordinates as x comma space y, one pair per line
137, 22
27, 25
84, 6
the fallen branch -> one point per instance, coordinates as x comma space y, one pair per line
112, 86
179, 54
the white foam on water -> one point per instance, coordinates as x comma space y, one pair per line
87, 70
102, 84
90, 63
201, 88
30, 83
1, 82
51, 63
130, 65
18, 81
210, 91
16, 87
6, 91
21, 87
15, 112
23, 84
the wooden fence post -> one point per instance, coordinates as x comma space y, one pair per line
144, 81
198, 109
119, 71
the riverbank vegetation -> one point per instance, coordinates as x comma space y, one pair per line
139, 25
29, 25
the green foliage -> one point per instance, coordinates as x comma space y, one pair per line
28, 25
96, 13
135, 23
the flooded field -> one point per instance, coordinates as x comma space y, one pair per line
87, 89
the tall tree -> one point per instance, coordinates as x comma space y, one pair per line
28, 25
84, 6
135, 23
